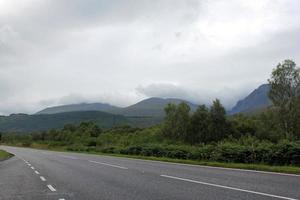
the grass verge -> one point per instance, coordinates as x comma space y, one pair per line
256, 167
4, 155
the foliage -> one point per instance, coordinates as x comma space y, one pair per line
284, 93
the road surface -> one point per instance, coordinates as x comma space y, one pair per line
38, 174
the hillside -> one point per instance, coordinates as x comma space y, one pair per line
80, 107
255, 101
27, 123
152, 107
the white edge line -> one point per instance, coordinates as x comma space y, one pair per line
102, 163
51, 188
227, 187
209, 167
42, 178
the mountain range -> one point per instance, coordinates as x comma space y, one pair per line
255, 101
152, 107
145, 113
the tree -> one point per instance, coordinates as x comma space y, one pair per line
183, 121
177, 121
284, 93
199, 126
218, 126
170, 120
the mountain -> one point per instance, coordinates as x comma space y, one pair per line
256, 100
142, 114
41, 122
80, 107
153, 107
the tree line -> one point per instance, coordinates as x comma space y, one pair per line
279, 121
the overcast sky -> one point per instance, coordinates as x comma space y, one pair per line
55, 52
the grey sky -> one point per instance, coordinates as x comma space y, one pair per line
70, 51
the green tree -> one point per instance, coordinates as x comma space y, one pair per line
284, 93
170, 120
183, 121
218, 126
177, 121
199, 126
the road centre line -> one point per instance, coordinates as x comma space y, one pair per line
42, 178
228, 187
71, 157
107, 164
36, 172
51, 188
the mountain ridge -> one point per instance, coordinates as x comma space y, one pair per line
258, 99
153, 106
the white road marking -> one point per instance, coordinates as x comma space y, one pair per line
61, 199
209, 167
36, 172
46, 153
102, 163
227, 187
71, 157
32, 168
29, 164
42, 178
51, 188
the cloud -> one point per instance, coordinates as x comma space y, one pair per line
56, 51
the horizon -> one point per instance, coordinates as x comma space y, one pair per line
123, 52
228, 109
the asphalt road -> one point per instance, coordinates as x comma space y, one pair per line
38, 174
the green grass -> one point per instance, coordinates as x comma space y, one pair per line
4, 155
257, 167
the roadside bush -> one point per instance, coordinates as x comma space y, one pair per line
286, 153
26, 144
228, 152
77, 147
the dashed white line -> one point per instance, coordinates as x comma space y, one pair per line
61, 199
32, 168
107, 164
71, 157
36, 172
51, 188
46, 153
29, 164
227, 187
42, 178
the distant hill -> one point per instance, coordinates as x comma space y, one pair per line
152, 107
255, 101
80, 107
142, 114
41, 122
